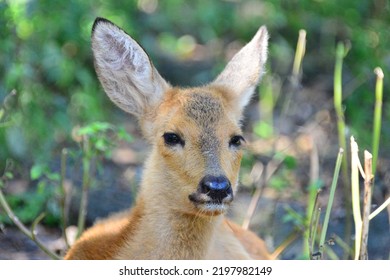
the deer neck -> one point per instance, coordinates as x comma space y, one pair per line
168, 232
176, 235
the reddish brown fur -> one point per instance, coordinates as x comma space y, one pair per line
104, 239
107, 238
172, 218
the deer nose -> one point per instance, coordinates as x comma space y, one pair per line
217, 188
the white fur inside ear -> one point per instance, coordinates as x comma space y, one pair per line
244, 71
125, 71
117, 49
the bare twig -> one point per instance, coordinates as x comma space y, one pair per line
380, 208
35, 224
64, 198
356, 195
299, 53
313, 226
85, 187
287, 242
312, 201
29, 233
270, 169
367, 204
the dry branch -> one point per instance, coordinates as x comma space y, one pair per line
367, 204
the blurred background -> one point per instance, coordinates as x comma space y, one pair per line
51, 99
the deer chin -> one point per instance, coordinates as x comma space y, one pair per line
206, 206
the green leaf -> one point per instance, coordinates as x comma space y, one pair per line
293, 216
94, 128
54, 177
101, 144
38, 171
278, 183
1, 113
8, 175
263, 130
290, 162
124, 135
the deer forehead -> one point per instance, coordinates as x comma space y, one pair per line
201, 109
204, 109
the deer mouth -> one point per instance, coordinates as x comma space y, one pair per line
213, 195
209, 205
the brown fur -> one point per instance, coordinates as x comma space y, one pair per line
172, 217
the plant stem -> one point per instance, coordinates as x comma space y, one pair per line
330, 201
332, 255
363, 255
312, 199
299, 53
356, 195
64, 197
377, 117
295, 78
85, 187
264, 128
24, 229
338, 97
343, 245
287, 242
313, 230
270, 169
380, 208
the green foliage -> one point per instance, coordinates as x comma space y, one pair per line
263, 129
28, 205
294, 217
46, 57
98, 139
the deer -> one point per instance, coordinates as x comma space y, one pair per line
191, 174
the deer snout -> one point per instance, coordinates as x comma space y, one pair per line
216, 187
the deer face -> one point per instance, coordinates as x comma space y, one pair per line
195, 132
199, 143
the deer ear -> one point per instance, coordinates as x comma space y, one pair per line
125, 70
242, 74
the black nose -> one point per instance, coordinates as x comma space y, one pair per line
217, 188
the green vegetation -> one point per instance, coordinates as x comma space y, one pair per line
46, 58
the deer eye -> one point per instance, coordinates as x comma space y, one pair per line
172, 139
236, 141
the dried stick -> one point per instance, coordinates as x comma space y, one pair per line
299, 53
380, 208
287, 242
270, 169
85, 187
29, 233
65, 197
314, 221
312, 207
356, 195
367, 205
